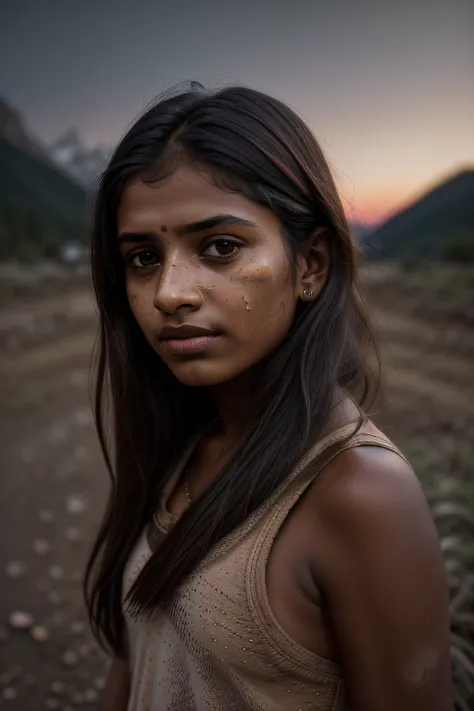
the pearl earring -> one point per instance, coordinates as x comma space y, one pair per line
308, 294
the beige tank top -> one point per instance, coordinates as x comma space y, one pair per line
218, 646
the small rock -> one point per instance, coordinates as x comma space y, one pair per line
80, 452
10, 693
77, 627
91, 695
15, 569
27, 456
41, 546
58, 433
75, 505
58, 618
46, 516
84, 650
70, 658
72, 534
79, 378
40, 633
82, 416
54, 597
58, 687
52, 703
56, 572
21, 620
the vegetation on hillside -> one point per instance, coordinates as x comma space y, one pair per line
424, 230
40, 207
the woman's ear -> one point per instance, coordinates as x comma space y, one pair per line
314, 265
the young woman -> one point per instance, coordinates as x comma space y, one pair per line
265, 546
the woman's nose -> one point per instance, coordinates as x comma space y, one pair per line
177, 288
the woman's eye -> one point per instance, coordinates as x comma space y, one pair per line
141, 260
222, 248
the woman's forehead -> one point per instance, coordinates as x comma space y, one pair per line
187, 195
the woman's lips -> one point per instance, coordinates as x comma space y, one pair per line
190, 346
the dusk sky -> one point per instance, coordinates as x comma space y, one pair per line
388, 88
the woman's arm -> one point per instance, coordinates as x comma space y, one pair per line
378, 560
117, 688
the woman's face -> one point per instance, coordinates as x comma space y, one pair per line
207, 275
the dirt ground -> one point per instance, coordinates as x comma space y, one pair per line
53, 483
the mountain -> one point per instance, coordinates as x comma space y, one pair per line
429, 225
13, 129
82, 163
41, 208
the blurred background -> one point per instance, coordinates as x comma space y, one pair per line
388, 90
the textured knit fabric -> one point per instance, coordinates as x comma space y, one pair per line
218, 646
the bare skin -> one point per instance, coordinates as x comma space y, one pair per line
356, 574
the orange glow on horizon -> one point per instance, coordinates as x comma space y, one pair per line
376, 208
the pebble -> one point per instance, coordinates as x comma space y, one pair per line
56, 572
15, 569
40, 633
75, 505
77, 627
58, 433
41, 546
84, 650
79, 378
27, 456
80, 452
58, 618
58, 687
46, 516
21, 620
70, 658
83, 416
91, 695
54, 597
10, 693
72, 534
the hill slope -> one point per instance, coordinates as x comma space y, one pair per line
40, 207
427, 226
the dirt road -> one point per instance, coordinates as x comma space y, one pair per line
53, 483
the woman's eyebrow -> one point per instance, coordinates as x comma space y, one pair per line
188, 229
210, 222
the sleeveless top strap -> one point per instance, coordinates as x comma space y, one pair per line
261, 545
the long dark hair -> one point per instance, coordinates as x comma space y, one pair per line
256, 145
